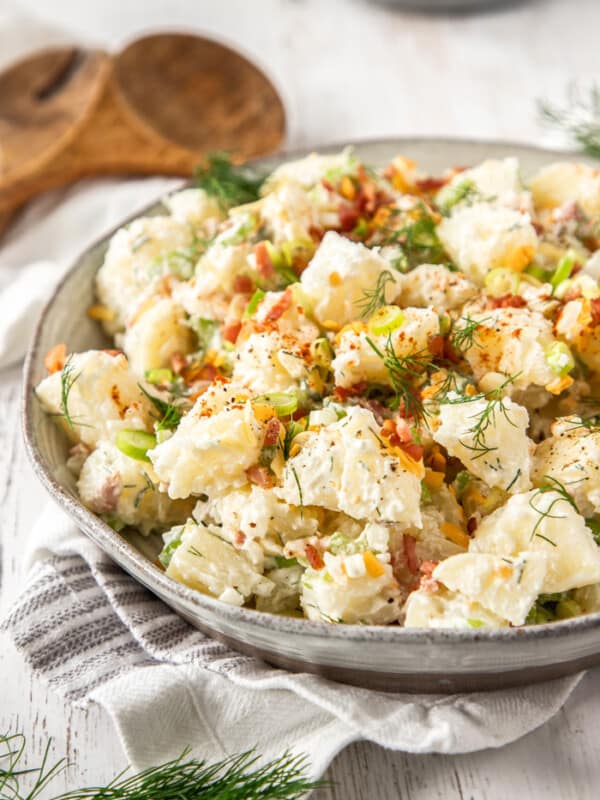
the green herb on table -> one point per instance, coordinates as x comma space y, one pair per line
231, 185
234, 778
579, 118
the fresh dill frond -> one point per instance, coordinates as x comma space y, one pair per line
590, 423
150, 486
462, 339
485, 418
170, 414
67, 381
375, 298
234, 778
418, 239
295, 474
579, 118
401, 370
231, 185
550, 484
465, 190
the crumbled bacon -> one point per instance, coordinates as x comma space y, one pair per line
55, 358
348, 217
112, 352
263, 261
280, 307
231, 331
398, 433
178, 363
313, 557
409, 546
595, 311
431, 183
242, 284
342, 393
472, 525
261, 476
327, 185
436, 345
428, 583
272, 432
108, 496
506, 301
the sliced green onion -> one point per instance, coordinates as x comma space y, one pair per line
135, 444
385, 320
284, 404
284, 563
361, 228
445, 324
501, 281
462, 480
322, 416
321, 352
568, 608
559, 359
476, 623
166, 554
535, 271
563, 270
159, 377
255, 301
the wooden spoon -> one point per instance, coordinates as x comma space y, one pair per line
156, 107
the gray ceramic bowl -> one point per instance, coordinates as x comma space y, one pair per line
388, 658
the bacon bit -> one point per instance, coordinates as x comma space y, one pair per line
281, 306
427, 568
243, 284
573, 293
108, 497
506, 301
472, 525
327, 185
261, 476
409, 545
399, 435
55, 358
231, 331
415, 451
342, 393
595, 311
450, 353
313, 557
239, 539
263, 261
436, 345
316, 233
178, 363
430, 183
349, 216
113, 353
272, 432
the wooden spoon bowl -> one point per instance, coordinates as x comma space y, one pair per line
157, 107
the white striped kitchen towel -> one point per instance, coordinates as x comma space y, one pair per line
96, 635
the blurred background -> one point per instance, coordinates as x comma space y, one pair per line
354, 68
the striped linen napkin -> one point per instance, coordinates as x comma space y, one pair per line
96, 635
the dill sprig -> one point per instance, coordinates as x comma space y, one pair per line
67, 381
579, 118
418, 239
590, 423
375, 298
462, 339
170, 415
486, 418
234, 778
401, 371
551, 485
465, 190
231, 185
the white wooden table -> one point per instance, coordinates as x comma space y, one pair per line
346, 69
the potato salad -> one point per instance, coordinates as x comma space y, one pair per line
359, 395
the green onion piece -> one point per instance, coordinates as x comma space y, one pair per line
361, 228
159, 377
255, 301
476, 623
284, 563
559, 359
445, 324
563, 270
275, 254
568, 608
501, 281
385, 320
135, 444
321, 352
166, 554
425, 494
535, 271
284, 404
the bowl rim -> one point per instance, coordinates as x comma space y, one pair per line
147, 573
